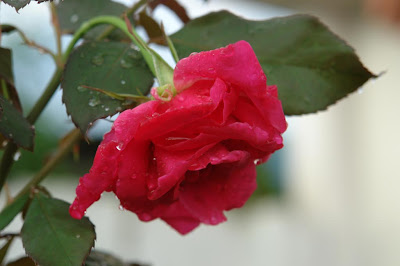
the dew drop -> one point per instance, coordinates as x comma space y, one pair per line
125, 64
121, 208
17, 155
123, 82
74, 18
106, 109
81, 89
119, 146
360, 90
194, 53
98, 60
145, 217
94, 102
134, 47
78, 236
4, 143
257, 161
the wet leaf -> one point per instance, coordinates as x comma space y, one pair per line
312, 67
52, 237
109, 66
14, 126
73, 13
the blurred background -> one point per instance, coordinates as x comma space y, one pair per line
330, 197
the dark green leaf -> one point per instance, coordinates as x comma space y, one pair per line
4, 249
73, 13
5, 65
9, 212
312, 67
97, 258
7, 88
109, 66
14, 126
152, 28
5, 28
17, 4
52, 237
25, 261
175, 7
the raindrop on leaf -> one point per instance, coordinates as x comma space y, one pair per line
125, 64
74, 18
98, 60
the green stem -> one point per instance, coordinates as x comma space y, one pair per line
57, 29
66, 146
129, 12
117, 23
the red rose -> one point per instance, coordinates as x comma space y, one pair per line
189, 159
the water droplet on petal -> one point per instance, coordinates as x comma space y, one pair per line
257, 161
74, 18
145, 217
119, 146
121, 208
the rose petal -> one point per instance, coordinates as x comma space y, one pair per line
224, 187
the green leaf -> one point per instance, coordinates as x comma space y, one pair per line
109, 66
5, 65
25, 261
7, 87
14, 126
17, 4
6, 28
52, 237
312, 67
153, 29
98, 258
73, 13
174, 6
4, 249
10, 211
